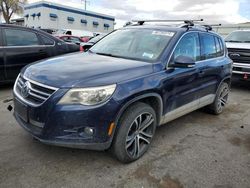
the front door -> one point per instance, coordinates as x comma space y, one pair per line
182, 84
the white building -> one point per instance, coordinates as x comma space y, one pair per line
47, 15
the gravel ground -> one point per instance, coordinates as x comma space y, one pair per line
197, 150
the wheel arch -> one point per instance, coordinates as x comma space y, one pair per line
152, 99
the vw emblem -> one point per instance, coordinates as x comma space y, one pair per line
25, 89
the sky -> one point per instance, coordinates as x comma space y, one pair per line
212, 11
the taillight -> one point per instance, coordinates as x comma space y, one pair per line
81, 49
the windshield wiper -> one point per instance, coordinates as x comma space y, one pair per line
107, 54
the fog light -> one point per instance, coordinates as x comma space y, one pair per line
89, 131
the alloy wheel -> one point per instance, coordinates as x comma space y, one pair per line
140, 134
223, 97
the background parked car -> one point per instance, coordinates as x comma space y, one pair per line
78, 33
238, 45
20, 46
72, 39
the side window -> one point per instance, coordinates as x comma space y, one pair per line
16, 37
47, 41
222, 47
218, 47
189, 46
209, 46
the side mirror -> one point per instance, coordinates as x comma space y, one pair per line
183, 62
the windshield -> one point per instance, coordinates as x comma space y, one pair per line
239, 36
138, 44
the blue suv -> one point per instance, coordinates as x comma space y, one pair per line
116, 94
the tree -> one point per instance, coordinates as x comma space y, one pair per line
9, 7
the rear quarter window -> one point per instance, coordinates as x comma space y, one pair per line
47, 41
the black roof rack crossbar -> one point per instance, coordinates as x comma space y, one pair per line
141, 22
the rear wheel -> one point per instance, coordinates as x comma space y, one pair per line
137, 128
220, 100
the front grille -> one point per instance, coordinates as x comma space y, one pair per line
239, 55
31, 92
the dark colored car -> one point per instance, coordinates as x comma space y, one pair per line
20, 46
116, 94
238, 45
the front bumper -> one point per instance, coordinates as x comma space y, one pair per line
62, 142
63, 125
241, 68
241, 71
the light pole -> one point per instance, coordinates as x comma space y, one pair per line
85, 4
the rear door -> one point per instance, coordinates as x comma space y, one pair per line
211, 66
2, 70
22, 47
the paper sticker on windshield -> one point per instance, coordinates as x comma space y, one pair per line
169, 34
148, 55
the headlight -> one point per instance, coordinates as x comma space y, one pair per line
88, 96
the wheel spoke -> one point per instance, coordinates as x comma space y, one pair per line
145, 139
139, 121
147, 122
138, 146
143, 134
223, 101
136, 151
225, 93
130, 141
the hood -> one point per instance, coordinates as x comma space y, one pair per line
238, 45
85, 70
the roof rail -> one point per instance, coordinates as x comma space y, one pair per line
188, 22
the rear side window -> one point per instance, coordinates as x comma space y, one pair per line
16, 37
189, 46
47, 41
219, 47
222, 47
208, 46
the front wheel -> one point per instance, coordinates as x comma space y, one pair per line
220, 100
136, 130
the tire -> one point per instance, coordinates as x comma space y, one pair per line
221, 99
134, 135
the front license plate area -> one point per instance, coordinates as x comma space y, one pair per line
21, 110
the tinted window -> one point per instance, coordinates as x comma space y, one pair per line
47, 41
222, 47
209, 47
15, 37
188, 46
219, 51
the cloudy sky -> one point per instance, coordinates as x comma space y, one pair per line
212, 11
